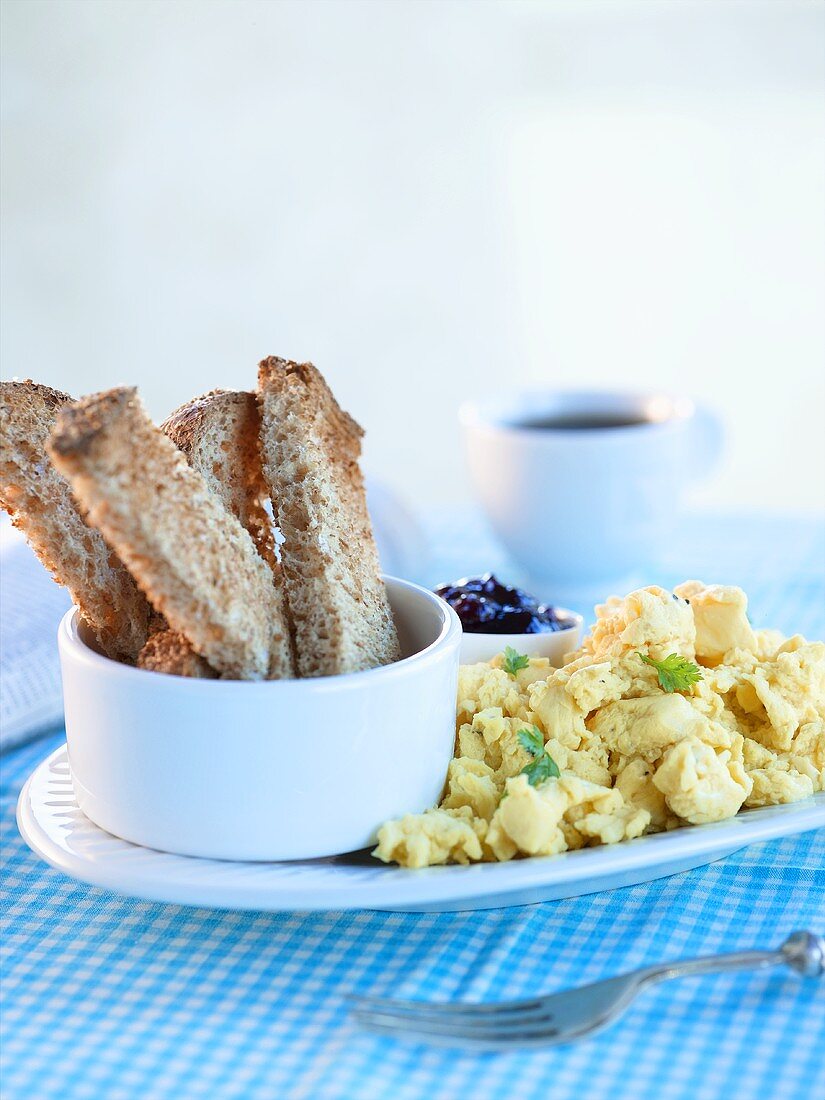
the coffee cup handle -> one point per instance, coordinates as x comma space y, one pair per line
708, 442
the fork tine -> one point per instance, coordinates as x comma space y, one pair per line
429, 1010
491, 1025
560, 1016
442, 1021
471, 1035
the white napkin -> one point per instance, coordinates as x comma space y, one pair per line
31, 607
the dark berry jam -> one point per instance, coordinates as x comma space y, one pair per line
486, 606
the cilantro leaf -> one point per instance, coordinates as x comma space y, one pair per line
675, 673
531, 740
513, 661
542, 766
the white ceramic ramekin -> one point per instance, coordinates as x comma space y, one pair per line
273, 770
555, 645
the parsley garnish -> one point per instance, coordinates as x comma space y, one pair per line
514, 662
675, 673
542, 766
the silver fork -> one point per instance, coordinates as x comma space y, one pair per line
569, 1015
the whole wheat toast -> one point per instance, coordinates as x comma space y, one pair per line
170, 652
219, 435
194, 560
41, 504
337, 600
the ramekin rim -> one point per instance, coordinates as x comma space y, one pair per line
69, 636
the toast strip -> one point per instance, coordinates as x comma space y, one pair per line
338, 603
196, 563
41, 504
219, 435
170, 652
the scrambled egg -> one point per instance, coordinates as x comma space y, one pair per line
632, 758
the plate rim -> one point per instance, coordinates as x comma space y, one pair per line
401, 887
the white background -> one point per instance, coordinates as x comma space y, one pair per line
429, 200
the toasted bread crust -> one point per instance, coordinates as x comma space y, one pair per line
310, 446
82, 422
193, 559
41, 504
219, 435
171, 653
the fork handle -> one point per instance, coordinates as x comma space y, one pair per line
712, 964
803, 952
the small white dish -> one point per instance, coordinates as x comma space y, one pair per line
279, 769
54, 827
553, 644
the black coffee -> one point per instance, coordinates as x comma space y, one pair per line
581, 422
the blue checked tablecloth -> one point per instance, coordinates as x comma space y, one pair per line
110, 997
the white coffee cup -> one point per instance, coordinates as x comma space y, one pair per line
581, 506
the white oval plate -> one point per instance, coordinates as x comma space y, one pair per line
55, 828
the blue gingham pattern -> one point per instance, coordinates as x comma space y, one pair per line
109, 997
